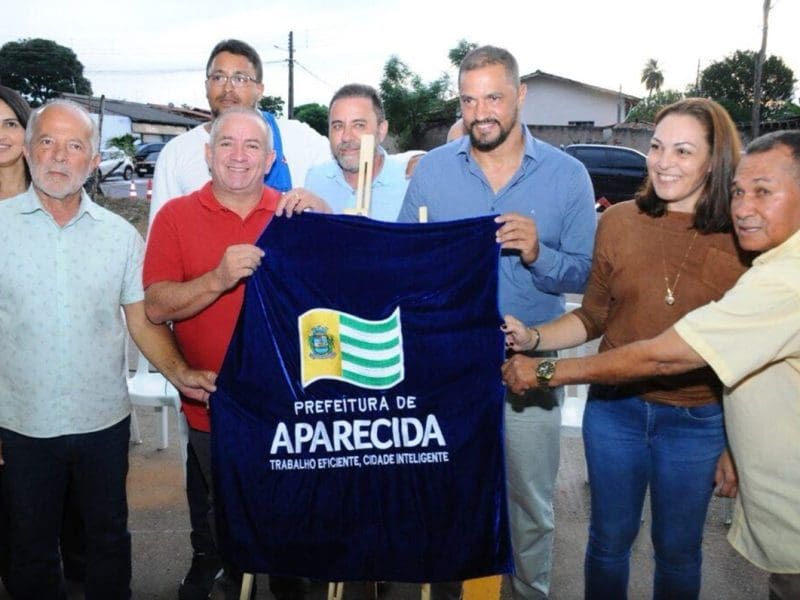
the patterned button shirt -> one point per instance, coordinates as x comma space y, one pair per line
62, 334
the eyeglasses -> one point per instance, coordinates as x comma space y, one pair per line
219, 79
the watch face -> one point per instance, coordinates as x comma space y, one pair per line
545, 370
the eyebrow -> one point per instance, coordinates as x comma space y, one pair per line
681, 143
230, 137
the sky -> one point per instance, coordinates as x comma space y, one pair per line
156, 50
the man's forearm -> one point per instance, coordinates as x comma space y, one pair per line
157, 342
666, 354
178, 300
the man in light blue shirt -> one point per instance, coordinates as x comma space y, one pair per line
356, 109
66, 268
547, 221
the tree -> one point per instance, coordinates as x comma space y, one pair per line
273, 104
457, 54
647, 109
730, 82
41, 69
410, 104
316, 115
652, 77
125, 143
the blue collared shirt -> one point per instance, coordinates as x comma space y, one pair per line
62, 335
550, 187
388, 188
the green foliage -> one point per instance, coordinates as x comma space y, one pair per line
730, 82
457, 54
652, 77
647, 109
273, 104
124, 143
41, 69
411, 104
316, 115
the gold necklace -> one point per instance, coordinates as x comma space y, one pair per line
669, 297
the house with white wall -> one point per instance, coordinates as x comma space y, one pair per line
554, 100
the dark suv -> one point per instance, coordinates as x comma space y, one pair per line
617, 172
144, 161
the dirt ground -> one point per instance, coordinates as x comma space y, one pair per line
134, 211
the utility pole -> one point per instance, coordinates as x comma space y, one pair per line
756, 119
290, 104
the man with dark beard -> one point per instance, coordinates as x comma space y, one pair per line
545, 207
355, 110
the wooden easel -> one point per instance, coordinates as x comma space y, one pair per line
364, 189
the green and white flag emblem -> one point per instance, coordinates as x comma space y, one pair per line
338, 345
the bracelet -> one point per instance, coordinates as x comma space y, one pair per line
538, 339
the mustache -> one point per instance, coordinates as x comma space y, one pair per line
348, 146
484, 122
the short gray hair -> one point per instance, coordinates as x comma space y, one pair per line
240, 110
94, 132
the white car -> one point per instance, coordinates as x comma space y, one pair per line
114, 161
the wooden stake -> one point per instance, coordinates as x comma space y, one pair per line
247, 586
365, 163
335, 590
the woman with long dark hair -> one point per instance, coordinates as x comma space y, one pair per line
14, 111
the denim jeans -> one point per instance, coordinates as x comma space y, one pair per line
631, 444
36, 476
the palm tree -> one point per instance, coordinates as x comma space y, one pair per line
652, 77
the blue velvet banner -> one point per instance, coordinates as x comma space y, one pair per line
357, 428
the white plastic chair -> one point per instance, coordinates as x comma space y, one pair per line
574, 395
147, 388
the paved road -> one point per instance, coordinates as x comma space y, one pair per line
117, 187
159, 525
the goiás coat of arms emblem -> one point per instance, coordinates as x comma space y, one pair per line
321, 343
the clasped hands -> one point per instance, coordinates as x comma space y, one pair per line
519, 371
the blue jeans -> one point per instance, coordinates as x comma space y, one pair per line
36, 475
631, 444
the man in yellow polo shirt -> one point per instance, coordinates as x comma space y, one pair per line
751, 338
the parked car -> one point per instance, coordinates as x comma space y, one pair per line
617, 172
146, 156
114, 161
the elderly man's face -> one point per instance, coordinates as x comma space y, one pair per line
351, 118
238, 155
60, 154
222, 97
765, 200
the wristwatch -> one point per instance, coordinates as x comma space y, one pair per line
544, 373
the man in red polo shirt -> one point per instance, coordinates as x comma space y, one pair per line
200, 250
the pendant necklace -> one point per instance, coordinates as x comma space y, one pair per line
669, 297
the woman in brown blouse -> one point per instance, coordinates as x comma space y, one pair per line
656, 258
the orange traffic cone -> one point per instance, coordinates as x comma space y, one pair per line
132, 195
149, 194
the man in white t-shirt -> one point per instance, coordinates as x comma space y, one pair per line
234, 77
